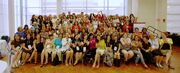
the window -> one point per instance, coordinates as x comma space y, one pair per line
24, 9
173, 15
4, 27
109, 7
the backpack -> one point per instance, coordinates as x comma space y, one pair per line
108, 58
56, 61
7, 38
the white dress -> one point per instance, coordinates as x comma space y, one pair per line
66, 44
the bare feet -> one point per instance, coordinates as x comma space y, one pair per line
93, 65
97, 66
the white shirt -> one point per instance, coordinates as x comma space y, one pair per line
65, 41
154, 43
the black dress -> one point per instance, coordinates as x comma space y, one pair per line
17, 43
115, 46
27, 44
39, 47
166, 46
78, 48
148, 57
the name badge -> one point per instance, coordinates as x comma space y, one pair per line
115, 48
77, 48
48, 46
84, 49
57, 47
153, 46
18, 48
29, 46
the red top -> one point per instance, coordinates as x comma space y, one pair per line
92, 43
125, 26
74, 27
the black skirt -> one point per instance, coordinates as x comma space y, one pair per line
156, 53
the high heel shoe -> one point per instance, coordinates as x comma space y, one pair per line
170, 67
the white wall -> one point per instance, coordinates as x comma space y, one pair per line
152, 12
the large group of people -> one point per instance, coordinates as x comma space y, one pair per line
91, 37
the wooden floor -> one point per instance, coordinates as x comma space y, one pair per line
32, 68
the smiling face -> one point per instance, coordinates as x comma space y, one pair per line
28, 36
38, 37
163, 36
98, 38
136, 38
16, 37
151, 36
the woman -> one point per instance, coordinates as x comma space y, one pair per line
66, 42
33, 19
16, 45
26, 28
136, 33
38, 45
145, 32
90, 49
75, 28
48, 48
27, 48
85, 47
116, 50
166, 48
126, 44
101, 46
58, 46
78, 48
136, 44
145, 49
92, 45
108, 53
155, 50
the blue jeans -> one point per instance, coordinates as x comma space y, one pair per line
138, 52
